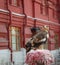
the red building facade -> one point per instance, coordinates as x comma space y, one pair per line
18, 16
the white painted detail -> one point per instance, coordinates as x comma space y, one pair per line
39, 19
30, 17
2, 10
46, 21
18, 14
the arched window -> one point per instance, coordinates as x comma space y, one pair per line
15, 38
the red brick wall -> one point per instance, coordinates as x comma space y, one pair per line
3, 4
28, 8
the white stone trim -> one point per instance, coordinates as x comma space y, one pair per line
17, 14
43, 20
2, 10
47, 21
30, 17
